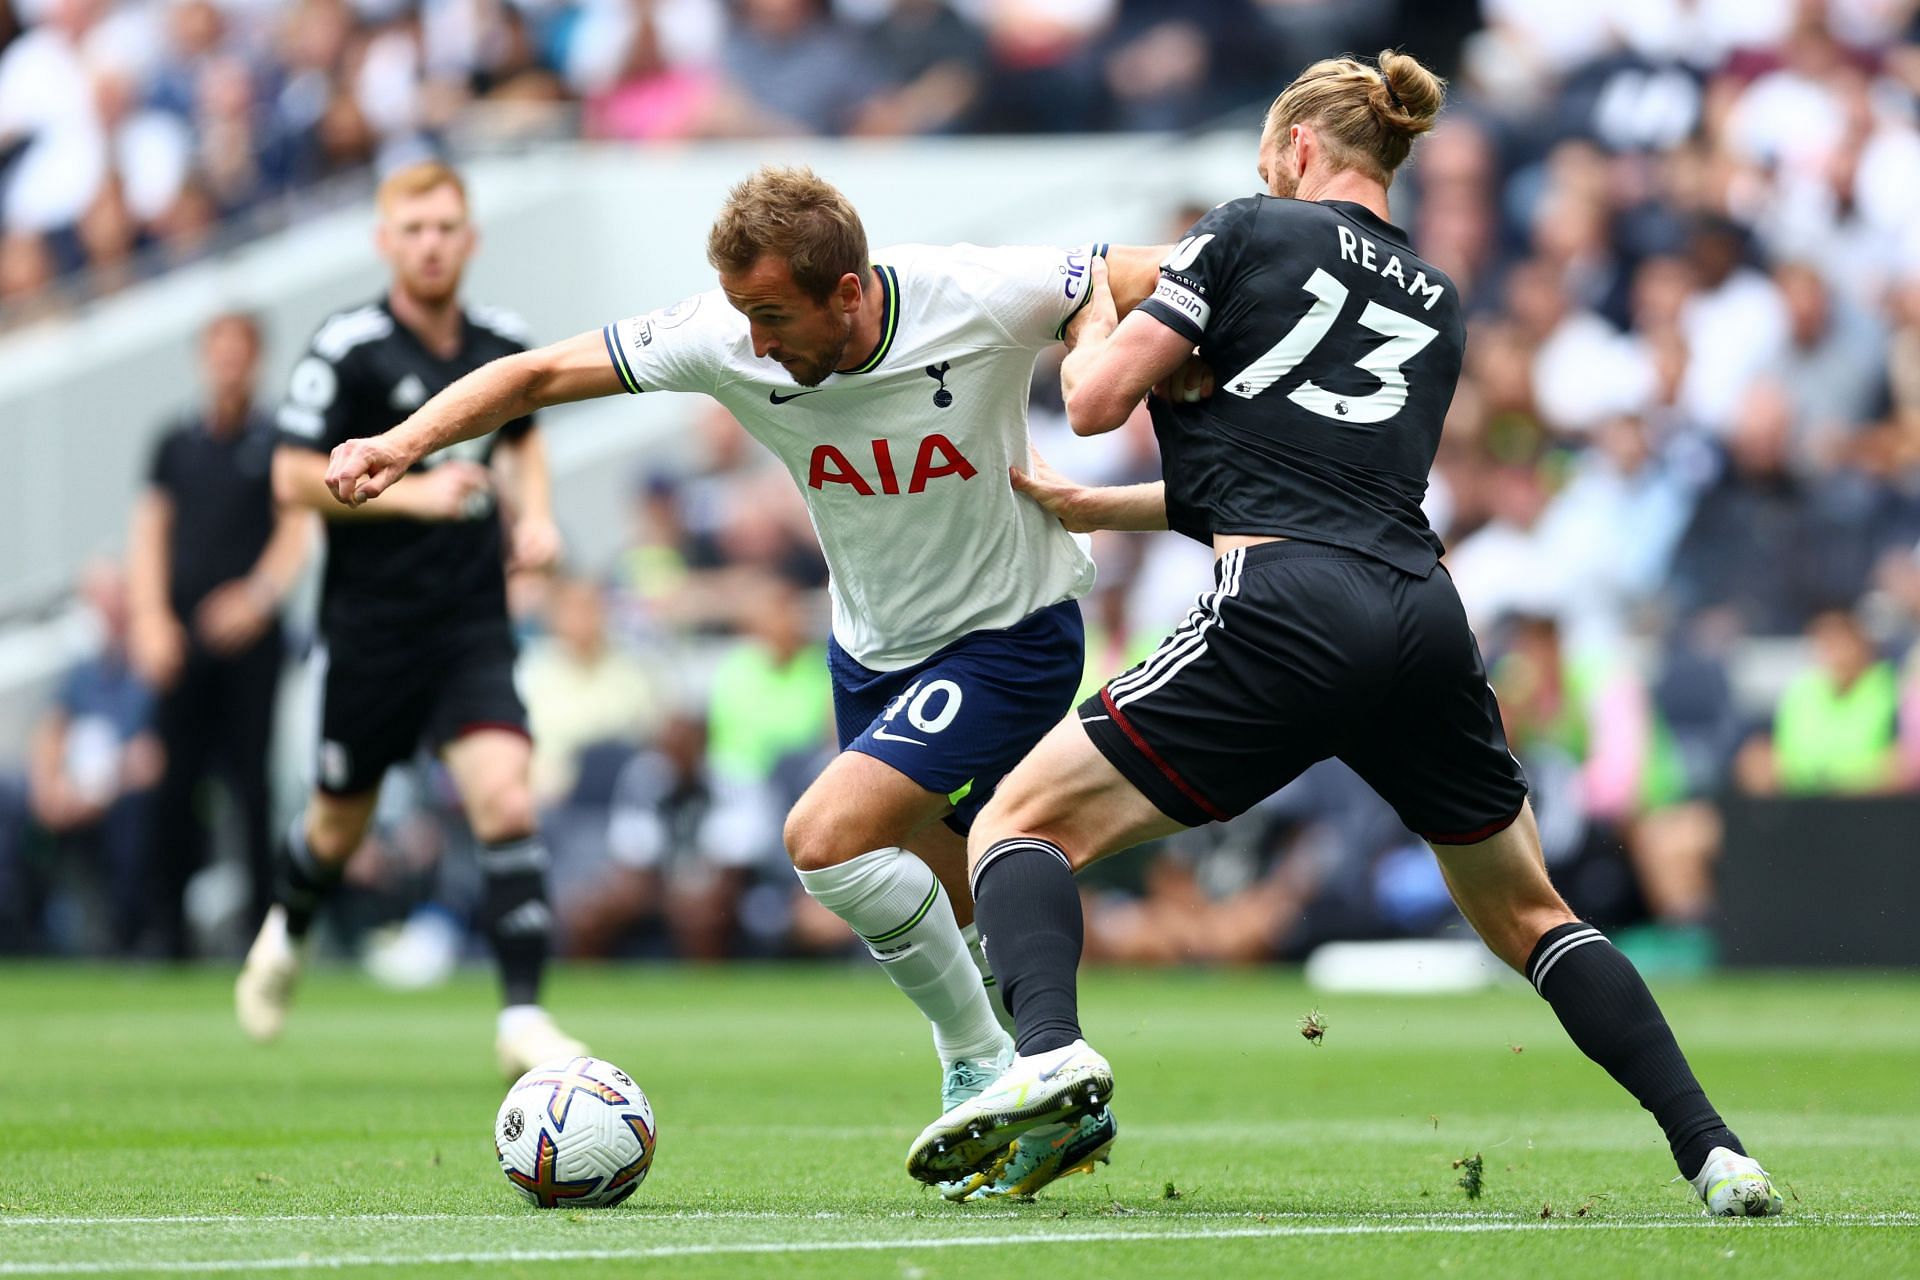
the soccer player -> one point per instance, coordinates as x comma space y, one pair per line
898, 405
1329, 631
419, 650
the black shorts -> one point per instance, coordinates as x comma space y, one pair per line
1304, 651
384, 698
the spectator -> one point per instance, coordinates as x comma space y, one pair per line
1735, 325
771, 694
1619, 483
1232, 897
1598, 760
1045, 71
791, 69
675, 866
1583, 370
92, 763
1504, 567
1834, 368
932, 63
1166, 64
646, 70
1756, 512
47, 111
1835, 729
210, 562
581, 689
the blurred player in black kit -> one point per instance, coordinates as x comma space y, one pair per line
419, 650
210, 560
1331, 630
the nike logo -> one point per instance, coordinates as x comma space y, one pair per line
774, 397
881, 732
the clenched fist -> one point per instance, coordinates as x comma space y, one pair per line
361, 470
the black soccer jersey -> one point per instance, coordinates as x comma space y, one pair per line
363, 373
221, 490
1335, 351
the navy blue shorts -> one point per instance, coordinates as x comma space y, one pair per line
959, 721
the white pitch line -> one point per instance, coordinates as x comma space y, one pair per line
636, 1214
478, 1258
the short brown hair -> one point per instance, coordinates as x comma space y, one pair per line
1368, 116
789, 211
417, 180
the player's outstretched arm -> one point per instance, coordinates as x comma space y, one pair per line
1087, 508
483, 401
1113, 363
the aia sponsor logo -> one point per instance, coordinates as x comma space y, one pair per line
936, 457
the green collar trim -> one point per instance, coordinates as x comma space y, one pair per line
890, 293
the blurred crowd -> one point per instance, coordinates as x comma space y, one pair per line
1679, 483
130, 130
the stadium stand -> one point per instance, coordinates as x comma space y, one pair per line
1680, 482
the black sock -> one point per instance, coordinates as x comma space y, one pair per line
514, 913
303, 880
1607, 1009
1028, 910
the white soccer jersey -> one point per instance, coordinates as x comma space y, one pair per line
903, 461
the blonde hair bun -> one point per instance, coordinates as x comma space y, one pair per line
1407, 97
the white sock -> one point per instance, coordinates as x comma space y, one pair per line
971, 936
894, 902
516, 1016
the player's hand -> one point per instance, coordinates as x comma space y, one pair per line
1053, 491
1191, 383
157, 648
361, 470
233, 616
454, 490
1098, 317
533, 545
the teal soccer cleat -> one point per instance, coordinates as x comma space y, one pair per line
1041, 1157
963, 1081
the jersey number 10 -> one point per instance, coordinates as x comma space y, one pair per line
1405, 339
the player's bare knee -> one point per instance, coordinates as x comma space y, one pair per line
811, 841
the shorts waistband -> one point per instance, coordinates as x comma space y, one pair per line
1292, 549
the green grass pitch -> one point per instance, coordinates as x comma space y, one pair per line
139, 1134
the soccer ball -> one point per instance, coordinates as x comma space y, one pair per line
575, 1131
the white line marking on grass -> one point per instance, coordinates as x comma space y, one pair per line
637, 1213
305, 1262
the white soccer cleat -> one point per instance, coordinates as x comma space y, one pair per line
265, 986
1735, 1186
1056, 1087
529, 1040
